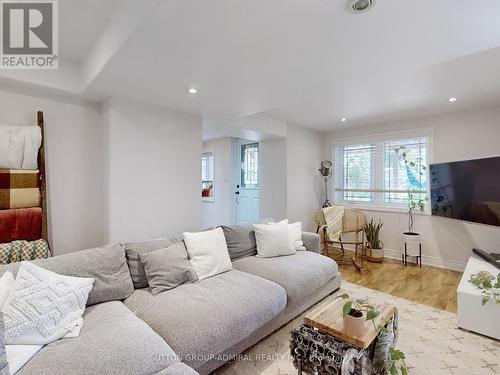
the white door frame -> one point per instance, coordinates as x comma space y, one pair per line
237, 174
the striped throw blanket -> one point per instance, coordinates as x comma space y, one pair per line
330, 222
18, 251
19, 189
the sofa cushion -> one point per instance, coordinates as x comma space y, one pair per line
106, 265
133, 251
273, 239
44, 306
207, 252
300, 274
178, 368
210, 316
112, 341
240, 240
168, 268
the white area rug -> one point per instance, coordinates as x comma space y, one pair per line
430, 338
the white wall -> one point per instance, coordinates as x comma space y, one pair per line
221, 210
74, 165
460, 136
153, 176
272, 179
305, 191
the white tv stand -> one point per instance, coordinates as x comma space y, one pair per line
472, 315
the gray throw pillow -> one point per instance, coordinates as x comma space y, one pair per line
106, 265
4, 366
240, 240
168, 268
133, 250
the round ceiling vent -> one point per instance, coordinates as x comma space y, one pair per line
359, 6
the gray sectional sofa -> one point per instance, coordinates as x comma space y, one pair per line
191, 329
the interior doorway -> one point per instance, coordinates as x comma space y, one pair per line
246, 177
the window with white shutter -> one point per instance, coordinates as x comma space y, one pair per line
369, 171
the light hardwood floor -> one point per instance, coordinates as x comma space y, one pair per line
427, 285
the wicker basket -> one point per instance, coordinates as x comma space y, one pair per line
374, 255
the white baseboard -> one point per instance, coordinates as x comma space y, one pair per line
452, 265
430, 261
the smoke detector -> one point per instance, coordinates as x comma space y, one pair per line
360, 6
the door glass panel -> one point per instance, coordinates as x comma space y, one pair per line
250, 166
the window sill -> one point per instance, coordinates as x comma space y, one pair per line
373, 207
208, 200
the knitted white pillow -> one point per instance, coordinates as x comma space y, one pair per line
43, 305
6, 284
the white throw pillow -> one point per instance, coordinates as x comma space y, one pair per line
6, 284
273, 239
295, 232
208, 252
44, 306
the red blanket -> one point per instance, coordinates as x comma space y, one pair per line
20, 224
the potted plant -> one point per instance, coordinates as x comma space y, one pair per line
416, 201
356, 312
489, 285
374, 245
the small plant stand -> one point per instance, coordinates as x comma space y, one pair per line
412, 242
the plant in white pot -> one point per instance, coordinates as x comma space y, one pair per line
356, 312
416, 173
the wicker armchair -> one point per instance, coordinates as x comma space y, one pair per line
331, 232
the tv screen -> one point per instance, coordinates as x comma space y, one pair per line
467, 190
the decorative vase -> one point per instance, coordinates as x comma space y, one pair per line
354, 323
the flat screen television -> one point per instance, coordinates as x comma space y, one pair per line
467, 190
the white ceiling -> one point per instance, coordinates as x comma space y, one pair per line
80, 24
305, 61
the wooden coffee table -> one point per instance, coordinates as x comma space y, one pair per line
321, 346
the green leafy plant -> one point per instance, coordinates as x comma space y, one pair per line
489, 285
372, 231
361, 304
398, 362
414, 202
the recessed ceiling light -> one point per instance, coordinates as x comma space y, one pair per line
193, 90
359, 6
343, 119
452, 99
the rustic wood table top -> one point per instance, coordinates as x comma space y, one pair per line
327, 317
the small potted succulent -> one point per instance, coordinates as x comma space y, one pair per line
374, 245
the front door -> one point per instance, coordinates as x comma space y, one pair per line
247, 181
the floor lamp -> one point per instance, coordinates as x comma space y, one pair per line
326, 172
